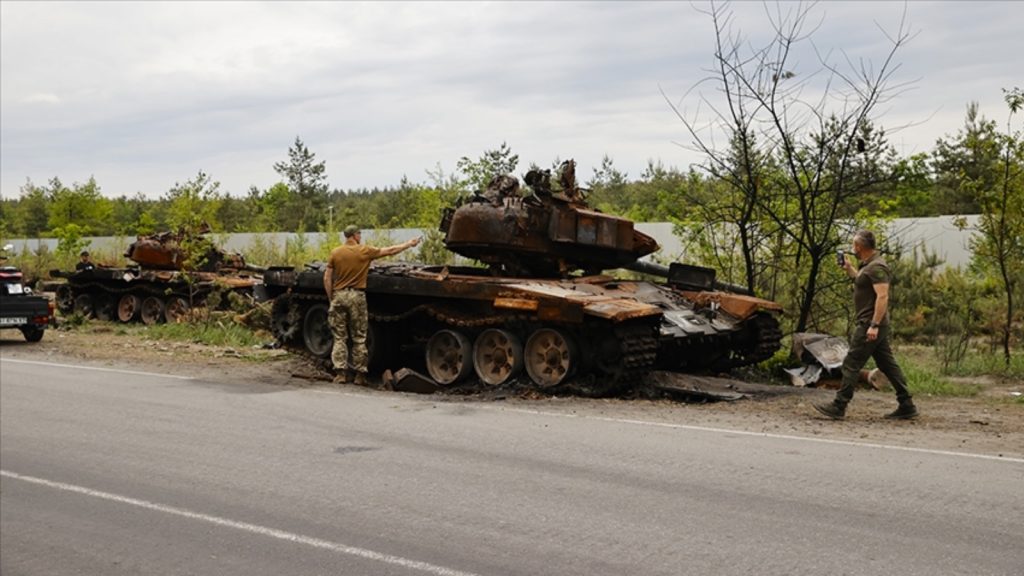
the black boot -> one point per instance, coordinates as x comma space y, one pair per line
831, 409
906, 411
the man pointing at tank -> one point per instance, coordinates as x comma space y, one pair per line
345, 284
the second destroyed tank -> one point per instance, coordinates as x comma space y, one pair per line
541, 309
163, 286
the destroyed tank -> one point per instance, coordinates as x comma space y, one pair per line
539, 309
163, 285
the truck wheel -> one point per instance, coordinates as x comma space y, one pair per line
152, 310
84, 305
33, 333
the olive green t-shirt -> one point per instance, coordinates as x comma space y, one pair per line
873, 271
351, 264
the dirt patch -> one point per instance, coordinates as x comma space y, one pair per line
990, 423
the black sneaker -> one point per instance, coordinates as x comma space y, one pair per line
832, 410
904, 412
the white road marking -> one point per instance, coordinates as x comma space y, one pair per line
770, 435
96, 368
719, 430
245, 526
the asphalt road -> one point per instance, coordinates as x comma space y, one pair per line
107, 472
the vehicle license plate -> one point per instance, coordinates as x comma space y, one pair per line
13, 321
14, 289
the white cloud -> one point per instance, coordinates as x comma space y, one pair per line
42, 98
145, 94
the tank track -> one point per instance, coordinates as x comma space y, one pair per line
66, 292
639, 351
768, 340
638, 344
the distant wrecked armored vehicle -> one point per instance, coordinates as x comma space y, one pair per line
541, 308
164, 284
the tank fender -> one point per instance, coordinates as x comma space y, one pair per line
737, 305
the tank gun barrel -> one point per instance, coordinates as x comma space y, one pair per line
652, 268
687, 276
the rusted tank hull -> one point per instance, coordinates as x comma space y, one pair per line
149, 296
596, 334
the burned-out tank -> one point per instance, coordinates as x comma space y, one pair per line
540, 309
163, 285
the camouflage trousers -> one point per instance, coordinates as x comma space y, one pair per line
348, 319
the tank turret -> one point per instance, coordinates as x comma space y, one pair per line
167, 251
548, 232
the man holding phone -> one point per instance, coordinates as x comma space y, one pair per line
871, 337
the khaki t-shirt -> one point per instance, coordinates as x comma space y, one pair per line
351, 263
873, 271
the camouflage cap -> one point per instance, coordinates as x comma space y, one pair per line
351, 230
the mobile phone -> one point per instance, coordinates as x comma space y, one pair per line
840, 258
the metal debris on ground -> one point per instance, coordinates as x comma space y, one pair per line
822, 356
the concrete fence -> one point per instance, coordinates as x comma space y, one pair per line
938, 234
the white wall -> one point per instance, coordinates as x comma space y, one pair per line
938, 234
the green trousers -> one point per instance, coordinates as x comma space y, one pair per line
860, 350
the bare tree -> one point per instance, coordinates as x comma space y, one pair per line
1002, 217
798, 144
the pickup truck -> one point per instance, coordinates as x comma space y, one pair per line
21, 309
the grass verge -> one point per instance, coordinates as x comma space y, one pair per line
924, 381
212, 333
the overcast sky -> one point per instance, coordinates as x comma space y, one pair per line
145, 94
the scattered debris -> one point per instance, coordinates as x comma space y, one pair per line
407, 380
823, 357
695, 388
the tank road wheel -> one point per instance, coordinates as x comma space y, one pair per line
152, 310
497, 356
128, 307
103, 307
285, 319
550, 357
379, 347
84, 305
176, 309
316, 331
65, 299
449, 356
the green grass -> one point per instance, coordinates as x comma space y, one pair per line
924, 381
213, 333
988, 364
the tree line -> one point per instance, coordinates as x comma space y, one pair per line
794, 160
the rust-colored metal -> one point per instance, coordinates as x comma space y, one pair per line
169, 251
739, 305
543, 303
549, 233
165, 284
